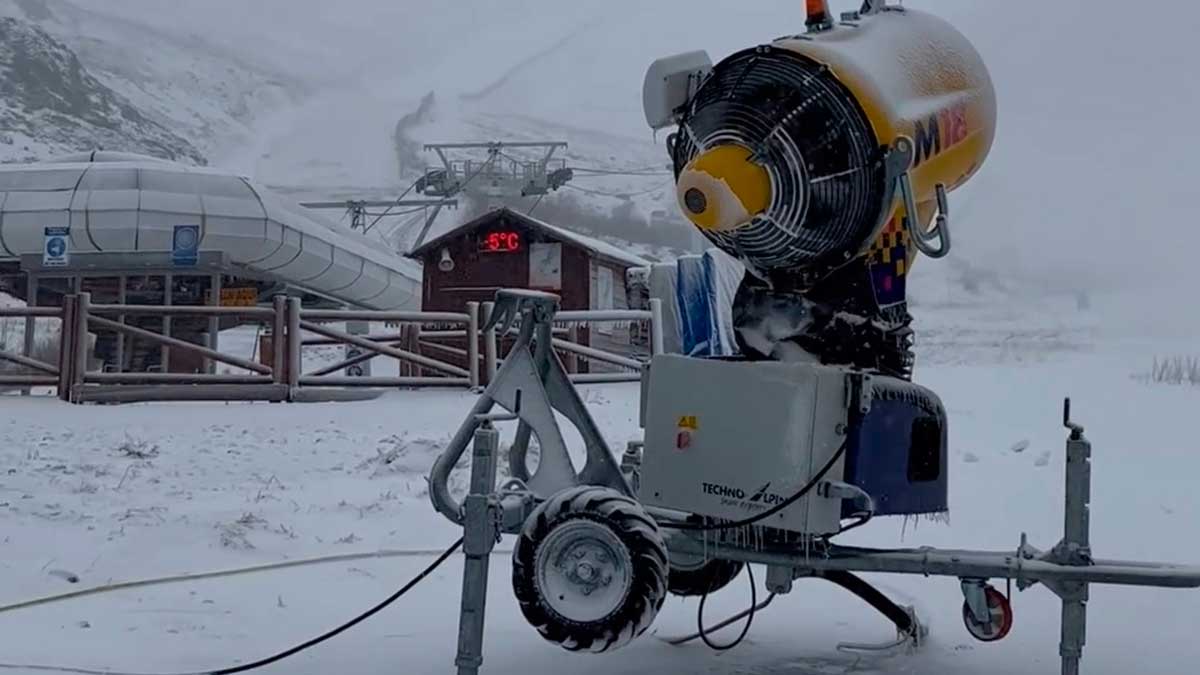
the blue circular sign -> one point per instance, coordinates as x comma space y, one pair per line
186, 238
56, 247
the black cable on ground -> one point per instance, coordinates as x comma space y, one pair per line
808, 487
254, 665
684, 639
745, 628
872, 596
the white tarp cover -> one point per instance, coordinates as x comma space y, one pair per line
121, 203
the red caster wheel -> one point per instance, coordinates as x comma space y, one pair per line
1000, 617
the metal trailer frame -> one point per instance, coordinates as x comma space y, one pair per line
532, 384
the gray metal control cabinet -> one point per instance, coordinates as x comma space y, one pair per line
730, 439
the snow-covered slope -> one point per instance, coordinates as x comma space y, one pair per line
50, 103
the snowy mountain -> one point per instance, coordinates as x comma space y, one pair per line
207, 96
50, 103
319, 99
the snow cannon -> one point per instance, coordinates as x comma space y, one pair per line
796, 155
822, 161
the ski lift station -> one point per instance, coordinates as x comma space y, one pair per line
132, 229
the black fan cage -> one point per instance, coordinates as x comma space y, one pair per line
807, 130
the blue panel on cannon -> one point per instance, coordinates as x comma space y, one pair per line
898, 451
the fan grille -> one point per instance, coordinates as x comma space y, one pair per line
814, 141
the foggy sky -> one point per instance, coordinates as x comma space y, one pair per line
1091, 182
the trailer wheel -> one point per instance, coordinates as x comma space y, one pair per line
709, 576
1000, 615
590, 569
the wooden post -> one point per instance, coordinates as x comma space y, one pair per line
31, 300
122, 281
293, 347
66, 348
214, 323
278, 339
473, 343
417, 328
79, 372
168, 300
489, 342
572, 358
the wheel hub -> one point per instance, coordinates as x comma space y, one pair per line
584, 571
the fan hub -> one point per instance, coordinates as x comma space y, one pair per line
723, 188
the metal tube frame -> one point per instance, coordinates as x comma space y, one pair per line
533, 369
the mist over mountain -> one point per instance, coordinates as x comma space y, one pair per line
1086, 187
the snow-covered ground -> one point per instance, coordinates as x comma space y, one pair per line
120, 493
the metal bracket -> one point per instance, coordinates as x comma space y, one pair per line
631, 464
779, 579
532, 386
922, 239
934, 243
861, 392
975, 593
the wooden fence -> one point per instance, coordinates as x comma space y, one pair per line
280, 377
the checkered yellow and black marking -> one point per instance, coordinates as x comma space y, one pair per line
892, 247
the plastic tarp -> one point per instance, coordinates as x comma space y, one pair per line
663, 281
704, 289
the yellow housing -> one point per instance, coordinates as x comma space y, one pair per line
916, 76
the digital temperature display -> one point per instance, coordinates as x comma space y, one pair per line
500, 242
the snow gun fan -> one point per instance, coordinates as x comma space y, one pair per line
821, 160
757, 180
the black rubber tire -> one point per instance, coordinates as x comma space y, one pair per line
636, 530
710, 577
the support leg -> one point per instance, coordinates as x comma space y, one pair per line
479, 538
1074, 629
1075, 548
